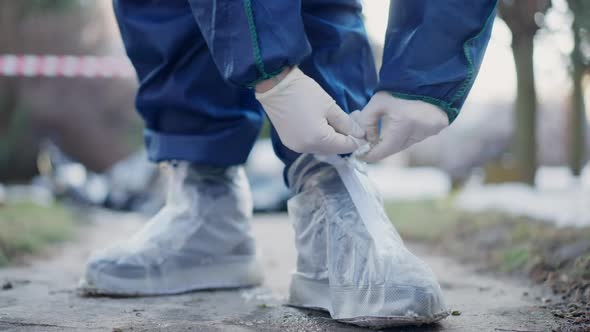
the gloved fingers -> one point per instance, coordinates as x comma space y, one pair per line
343, 123
356, 116
378, 152
372, 132
364, 144
369, 119
336, 143
394, 140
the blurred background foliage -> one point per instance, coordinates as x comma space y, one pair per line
525, 19
92, 120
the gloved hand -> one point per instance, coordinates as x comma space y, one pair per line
307, 119
403, 123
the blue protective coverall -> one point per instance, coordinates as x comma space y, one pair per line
198, 59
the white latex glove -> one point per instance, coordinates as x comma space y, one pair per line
307, 119
403, 123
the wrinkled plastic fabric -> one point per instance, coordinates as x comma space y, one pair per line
204, 224
345, 240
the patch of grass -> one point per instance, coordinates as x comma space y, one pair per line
422, 220
522, 232
266, 129
556, 256
582, 267
514, 258
26, 228
428, 220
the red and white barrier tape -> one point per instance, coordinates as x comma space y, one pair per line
65, 66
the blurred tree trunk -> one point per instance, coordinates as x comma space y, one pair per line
577, 141
526, 109
577, 122
12, 121
520, 16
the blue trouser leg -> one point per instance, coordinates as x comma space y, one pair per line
190, 112
341, 60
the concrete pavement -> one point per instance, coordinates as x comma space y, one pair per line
43, 297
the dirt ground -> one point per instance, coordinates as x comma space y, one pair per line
41, 296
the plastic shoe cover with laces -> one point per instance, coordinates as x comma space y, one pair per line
351, 261
199, 240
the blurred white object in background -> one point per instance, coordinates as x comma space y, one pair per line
405, 183
28, 194
557, 198
135, 184
265, 174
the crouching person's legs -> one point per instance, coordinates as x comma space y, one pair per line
202, 130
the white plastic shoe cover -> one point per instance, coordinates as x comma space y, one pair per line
351, 261
199, 240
